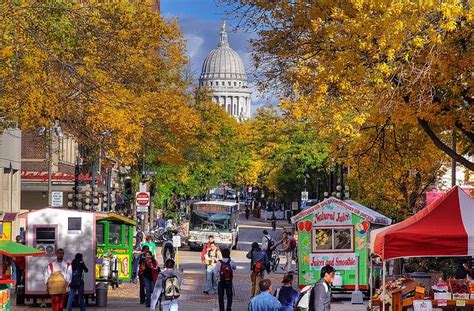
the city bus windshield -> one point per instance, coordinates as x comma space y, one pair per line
208, 221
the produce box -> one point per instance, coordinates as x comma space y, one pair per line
470, 287
442, 296
458, 287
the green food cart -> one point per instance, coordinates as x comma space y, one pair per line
114, 235
336, 232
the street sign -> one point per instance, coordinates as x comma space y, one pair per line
57, 199
176, 241
149, 172
142, 198
304, 196
143, 187
142, 209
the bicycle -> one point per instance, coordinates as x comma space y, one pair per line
275, 260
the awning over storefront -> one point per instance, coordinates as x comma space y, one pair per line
443, 228
12, 249
116, 217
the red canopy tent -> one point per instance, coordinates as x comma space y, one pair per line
443, 228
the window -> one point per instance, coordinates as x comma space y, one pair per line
230, 83
127, 235
100, 233
45, 235
74, 223
235, 83
333, 239
115, 234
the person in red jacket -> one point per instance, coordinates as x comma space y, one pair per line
206, 248
150, 275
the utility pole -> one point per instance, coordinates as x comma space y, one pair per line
50, 165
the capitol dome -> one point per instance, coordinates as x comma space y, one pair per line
223, 72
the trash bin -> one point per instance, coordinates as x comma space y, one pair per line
101, 294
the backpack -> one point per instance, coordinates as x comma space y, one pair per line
305, 300
171, 287
292, 244
258, 266
270, 244
226, 273
76, 279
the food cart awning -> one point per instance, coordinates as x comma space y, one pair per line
443, 228
116, 217
351, 206
12, 249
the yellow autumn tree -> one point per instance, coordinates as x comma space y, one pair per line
353, 64
110, 71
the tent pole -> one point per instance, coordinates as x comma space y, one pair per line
383, 285
371, 280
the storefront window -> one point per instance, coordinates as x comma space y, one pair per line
127, 235
115, 233
333, 239
100, 233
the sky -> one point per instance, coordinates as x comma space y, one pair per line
201, 21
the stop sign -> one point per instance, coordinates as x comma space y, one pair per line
143, 198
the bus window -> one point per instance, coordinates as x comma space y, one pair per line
203, 221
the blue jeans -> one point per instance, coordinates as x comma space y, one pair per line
72, 295
210, 280
149, 285
136, 259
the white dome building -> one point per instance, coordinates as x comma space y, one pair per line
223, 72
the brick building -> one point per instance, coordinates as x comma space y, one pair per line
34, 167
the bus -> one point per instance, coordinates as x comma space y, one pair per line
217, 218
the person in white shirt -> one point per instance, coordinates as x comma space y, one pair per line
61, 266
224, 271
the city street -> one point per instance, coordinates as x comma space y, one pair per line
126, 297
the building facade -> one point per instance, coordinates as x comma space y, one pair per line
223, 72
10, 166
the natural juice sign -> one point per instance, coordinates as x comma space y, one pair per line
332, 215
338, 261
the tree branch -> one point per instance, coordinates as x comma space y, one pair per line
443, 147
469, 134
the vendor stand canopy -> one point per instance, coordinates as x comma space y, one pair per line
443, 228
12, 249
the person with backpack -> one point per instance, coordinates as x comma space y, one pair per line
75, 275
267, 246
211, 258
258, 264
320, 296
167, 288
225, 275
141, 274
286, 294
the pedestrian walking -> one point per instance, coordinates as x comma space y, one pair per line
258, 263
150, 275
464, 270
20, 265
265, 301
141, 271
140, 234
167, 288
286, 249
55, 276
225, 274
75, 277
267, 246
151, 244
206, 247
137, 252
211, 258
287, 295
320, 297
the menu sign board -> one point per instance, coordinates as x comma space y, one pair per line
338, 261
332, 215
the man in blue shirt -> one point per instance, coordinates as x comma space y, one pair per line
265, 301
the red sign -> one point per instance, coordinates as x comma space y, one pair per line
143, 198
43, 176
